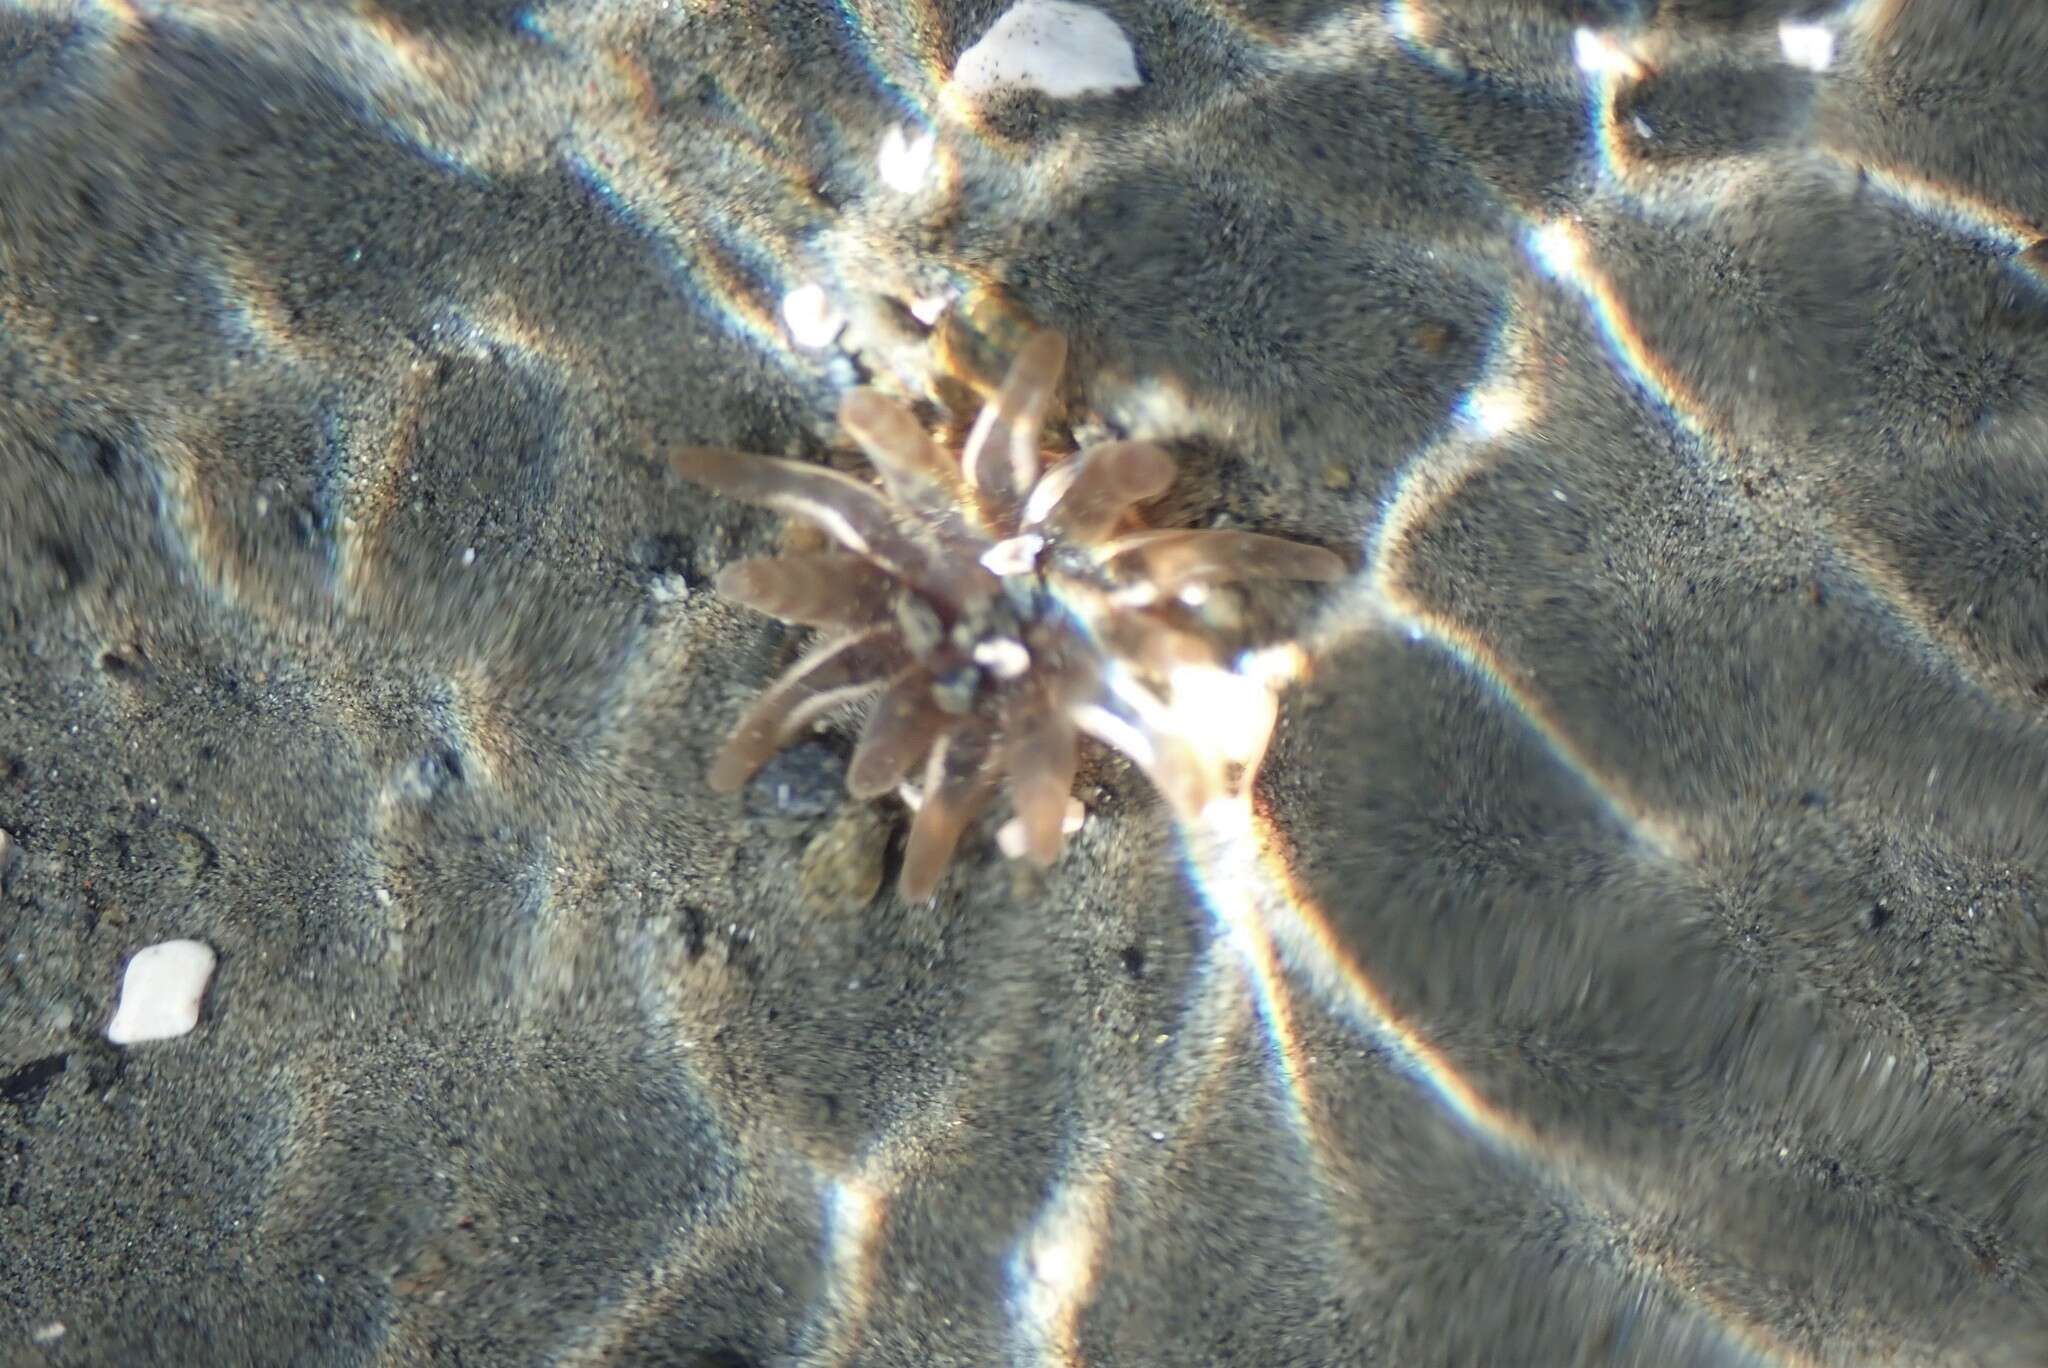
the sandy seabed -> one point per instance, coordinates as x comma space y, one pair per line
1635, 950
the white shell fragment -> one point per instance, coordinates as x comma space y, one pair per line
1811, 46
160, 992
808, 314
1058, 47
905, 161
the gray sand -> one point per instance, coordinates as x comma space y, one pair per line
1649, 965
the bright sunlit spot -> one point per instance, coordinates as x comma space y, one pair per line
1599, 55
1811, 46
905, 159
808, 314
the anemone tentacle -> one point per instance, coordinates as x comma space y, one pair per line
998, 606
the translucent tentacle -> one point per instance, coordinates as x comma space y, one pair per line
851, 512
918, 473
898, 733
1040, 755
1177, 559
1001, 455
1081, 499
825, 589
838, 672
959, 781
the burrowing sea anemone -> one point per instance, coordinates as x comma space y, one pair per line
995, 607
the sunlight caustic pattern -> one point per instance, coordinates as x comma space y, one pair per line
708, 272
1268, 920
1285, 950
1272, 947
1562, 250
774, 222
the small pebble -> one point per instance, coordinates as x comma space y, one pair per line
196, 854
841, 869
161, 991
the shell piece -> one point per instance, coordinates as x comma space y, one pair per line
1061, 48
161, 991
836, 673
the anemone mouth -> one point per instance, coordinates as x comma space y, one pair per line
992, 608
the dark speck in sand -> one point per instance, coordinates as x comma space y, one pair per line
89, 451
718, 1358
27, 1085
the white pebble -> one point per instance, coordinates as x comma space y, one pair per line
1055, 46
160, 992
1806, 45
808, 314
905, 160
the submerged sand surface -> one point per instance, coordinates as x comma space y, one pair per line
1636, 951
